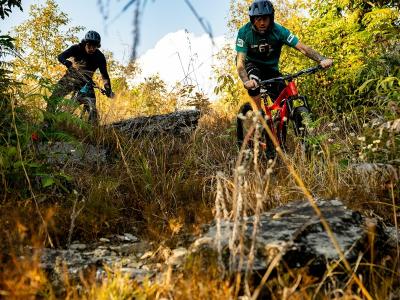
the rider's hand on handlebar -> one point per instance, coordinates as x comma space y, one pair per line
108, 92
250, 84
326, 63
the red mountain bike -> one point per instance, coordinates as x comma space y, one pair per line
288, 106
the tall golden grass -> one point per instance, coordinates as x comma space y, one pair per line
164, 187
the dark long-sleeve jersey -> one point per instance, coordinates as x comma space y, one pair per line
88, 63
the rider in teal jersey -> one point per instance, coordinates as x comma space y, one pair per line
259, 44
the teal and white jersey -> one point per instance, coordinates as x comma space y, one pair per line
264, 49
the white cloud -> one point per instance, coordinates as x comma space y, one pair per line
182, 57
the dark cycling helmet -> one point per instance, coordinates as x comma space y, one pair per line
93, 37
261, 8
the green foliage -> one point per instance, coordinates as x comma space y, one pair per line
153, 97
41, 38
21, 169
362, 38
7, 5
6, 49
10, 163
189, 96
228, 85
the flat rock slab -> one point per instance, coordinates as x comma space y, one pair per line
378, 172
81, 154
112, 252
295, 232
176, 123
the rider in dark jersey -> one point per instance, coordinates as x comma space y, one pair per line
258, 46
87, 58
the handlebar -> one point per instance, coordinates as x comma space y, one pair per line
95, 86
90, 83
290, 77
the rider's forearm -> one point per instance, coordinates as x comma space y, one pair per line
64, 61
310, 52
240, 66
63, 57
243, 74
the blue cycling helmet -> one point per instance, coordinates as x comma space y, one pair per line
261, 8
93, 37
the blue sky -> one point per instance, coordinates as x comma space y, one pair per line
160, 18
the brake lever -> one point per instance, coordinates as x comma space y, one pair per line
104, 92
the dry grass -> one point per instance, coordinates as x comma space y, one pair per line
162, 187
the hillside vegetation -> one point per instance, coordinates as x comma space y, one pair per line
164, 188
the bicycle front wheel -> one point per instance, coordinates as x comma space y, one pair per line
243, 123
245, 127
301, 118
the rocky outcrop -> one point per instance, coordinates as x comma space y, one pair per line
391, 126
376, 172
176, 123
67, 153
125, 253
294, 232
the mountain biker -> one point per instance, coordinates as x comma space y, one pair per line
258, 47
87, 58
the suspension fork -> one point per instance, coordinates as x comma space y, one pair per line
270, 121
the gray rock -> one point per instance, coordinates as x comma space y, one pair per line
377, 172
78, 247
99, 252
140, 247
120, 237
295, 232
391, 126
135, 264
130, 237
78, 259
176, 123
124, 249
393, 235
177, 257
62, 153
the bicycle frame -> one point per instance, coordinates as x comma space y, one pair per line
282, 103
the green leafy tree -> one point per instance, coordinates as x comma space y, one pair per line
358, 35
120, 74
41, 38
361, 36
7, 84
153, 96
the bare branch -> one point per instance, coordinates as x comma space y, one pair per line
204, 23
